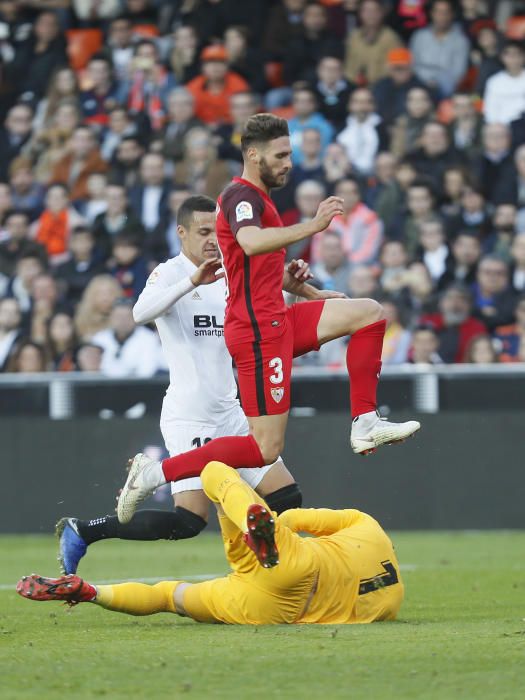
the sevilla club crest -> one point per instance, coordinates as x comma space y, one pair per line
277, 394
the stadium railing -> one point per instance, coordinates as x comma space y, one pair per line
422, 388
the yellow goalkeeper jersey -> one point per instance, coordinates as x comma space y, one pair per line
347, 573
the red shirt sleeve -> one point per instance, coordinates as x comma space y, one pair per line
242, 206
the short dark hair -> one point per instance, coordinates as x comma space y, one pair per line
447, 2
131, 137
118, 107
61, 185
120, 18
127, 238
262, 128
513, 44
426, 184
458, 288
145, 42
101, 56
81, 228
16, 212
425, 327
466, 233
188, 208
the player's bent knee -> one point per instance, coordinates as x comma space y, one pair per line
271, 451
211, 475
375, 311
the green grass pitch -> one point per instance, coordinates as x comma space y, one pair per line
461, 633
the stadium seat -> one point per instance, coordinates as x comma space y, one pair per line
284, 112
81, 45
274, 74
145, 31
468, 81
444, 112
515, 28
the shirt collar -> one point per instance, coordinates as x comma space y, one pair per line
188, 264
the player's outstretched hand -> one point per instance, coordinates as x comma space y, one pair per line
207, 273
300, 270
330, 207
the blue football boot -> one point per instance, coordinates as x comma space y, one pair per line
71, 545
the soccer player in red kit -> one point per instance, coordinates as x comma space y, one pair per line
263, 335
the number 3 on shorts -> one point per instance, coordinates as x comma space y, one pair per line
277, 365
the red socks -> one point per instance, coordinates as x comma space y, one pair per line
363, 360
234, 451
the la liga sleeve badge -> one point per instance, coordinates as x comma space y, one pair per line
153, 277
243, 211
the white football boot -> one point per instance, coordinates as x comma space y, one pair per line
370, 431
145, 475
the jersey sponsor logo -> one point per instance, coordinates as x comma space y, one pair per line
277, 394
196, 296
205, 325
243, 210
153, 277
204, 321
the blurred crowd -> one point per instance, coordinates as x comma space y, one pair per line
112, 112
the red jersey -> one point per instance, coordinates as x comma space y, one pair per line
255, 306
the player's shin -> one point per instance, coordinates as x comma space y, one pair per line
236, 451
146, 525
223, 485
363, 360
138, 598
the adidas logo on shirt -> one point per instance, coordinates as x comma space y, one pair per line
196, 296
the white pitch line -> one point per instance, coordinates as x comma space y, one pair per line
156, 579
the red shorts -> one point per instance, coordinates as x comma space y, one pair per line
264, 366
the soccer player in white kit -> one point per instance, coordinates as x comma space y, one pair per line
185, 296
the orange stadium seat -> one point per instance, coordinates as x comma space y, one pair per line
515, 28
444, 112
274, 74
284, 112
81, 45
468, 81
146, 31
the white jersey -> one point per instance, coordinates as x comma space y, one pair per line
202, 386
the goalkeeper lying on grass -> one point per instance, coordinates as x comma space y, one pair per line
347, 573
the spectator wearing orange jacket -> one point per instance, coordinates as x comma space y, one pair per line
56, 222
360, 229
214, 87
83, 160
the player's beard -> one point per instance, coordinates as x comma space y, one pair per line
271, 181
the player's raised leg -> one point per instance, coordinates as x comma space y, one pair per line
244, 508
188, 519
363, 320
146, 475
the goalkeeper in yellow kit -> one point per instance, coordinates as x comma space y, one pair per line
347, 573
